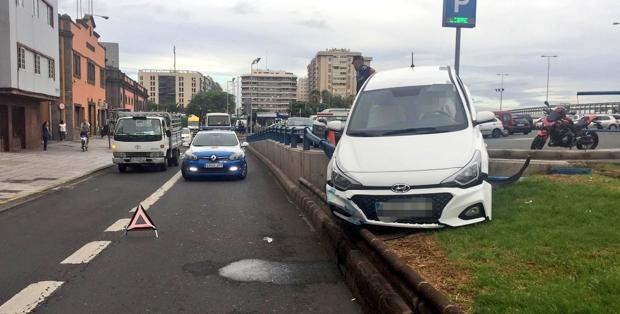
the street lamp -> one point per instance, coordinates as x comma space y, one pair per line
501, 90
548, 71
105, 17
255, 61
227, 90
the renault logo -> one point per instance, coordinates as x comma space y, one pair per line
213, 157
401, 188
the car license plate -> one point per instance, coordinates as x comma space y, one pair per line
139, 159
214, 165
405, 208
520, 124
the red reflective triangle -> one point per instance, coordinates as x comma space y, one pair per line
141, 214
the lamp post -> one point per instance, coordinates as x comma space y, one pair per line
227, 90
501, 90
548, 71
251, 126
105, 17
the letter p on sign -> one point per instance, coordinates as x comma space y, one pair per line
458, 4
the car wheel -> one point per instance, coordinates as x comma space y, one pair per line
185, 176
122, 168
496, 133
244, 173
613, 127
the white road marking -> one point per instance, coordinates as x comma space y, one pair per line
149, 201
28, 299
119, 225
86, 253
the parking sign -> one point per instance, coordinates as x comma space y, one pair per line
459, 13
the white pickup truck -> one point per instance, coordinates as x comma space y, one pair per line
147, 138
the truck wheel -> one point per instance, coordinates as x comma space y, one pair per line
122, 168
175, 159
164, 166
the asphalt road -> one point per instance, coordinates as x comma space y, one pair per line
223, 247
520, 141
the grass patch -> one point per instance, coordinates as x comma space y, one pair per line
553, 247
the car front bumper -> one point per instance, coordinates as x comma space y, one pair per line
198, 168
139, 160
356, 206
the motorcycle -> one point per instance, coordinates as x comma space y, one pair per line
562, 131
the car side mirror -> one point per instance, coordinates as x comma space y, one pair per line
168, 133
245, 144
337, 126
484, 117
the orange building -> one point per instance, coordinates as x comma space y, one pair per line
82, 75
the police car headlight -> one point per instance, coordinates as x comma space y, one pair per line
468, 174
236, 156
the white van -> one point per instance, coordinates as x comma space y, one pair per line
217, 121
411, 153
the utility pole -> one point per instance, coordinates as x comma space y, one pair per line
457, 51
548, 71
501, 90
255, 61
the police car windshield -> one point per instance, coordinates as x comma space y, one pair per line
421, 109
215, 139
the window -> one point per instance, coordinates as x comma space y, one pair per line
141, 78
101, 78
21, 57
77, 66
181, 78
152, 78
90, 71
51, 69
50, 15
37, 64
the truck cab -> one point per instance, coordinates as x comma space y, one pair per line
147, 139
217, 121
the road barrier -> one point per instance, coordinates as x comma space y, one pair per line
290, 136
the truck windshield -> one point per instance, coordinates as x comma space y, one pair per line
218, 121
138, 130
408, 110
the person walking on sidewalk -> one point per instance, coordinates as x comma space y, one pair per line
45, 134
62, 127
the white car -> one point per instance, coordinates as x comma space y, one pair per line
411, 154
607, 121
493, 128
186, 136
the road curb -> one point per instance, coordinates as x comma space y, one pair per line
604, 154
368, 284
14, 202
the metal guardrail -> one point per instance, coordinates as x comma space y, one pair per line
291, 136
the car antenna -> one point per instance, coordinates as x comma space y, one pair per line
412, 64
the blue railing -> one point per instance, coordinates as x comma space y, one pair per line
292, 136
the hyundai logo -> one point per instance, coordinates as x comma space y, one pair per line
401, 188
213, 157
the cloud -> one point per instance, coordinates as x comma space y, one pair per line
315, 23
245, 7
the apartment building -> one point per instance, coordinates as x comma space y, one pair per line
302, 89
28, 70
267, 90
82, 75
175, 86
332, 70
122, 92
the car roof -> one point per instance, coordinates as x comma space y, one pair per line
423, 75
216, 131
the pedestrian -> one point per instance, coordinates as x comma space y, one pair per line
45, 134
62, 129
363, 72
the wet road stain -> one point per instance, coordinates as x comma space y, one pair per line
271, 272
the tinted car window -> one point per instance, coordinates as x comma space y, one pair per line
408, 110
215, 139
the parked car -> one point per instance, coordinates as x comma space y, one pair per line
411, 154
299, 124
186, 136
332, 114
524, 116
215, 153
493, 128
606, 121
522, 126
507, 120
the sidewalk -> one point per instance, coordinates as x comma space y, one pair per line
31, 171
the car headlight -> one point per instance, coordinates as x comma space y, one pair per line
236, 156
341, 181
468, 174
190, 156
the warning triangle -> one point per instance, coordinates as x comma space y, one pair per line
141, 220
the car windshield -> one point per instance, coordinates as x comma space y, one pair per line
215, 139
137, 130
422, 109
218, 121
299, 122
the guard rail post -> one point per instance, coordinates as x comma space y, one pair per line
286, 136
293, 138
306, 140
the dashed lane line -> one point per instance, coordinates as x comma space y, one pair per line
86, 253
119, 225
28, 299
149, 201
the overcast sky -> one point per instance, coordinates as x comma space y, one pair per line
220, 39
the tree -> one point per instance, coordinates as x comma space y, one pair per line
314, 97
326, 97
211, 101
152, 106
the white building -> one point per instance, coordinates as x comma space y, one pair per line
29, 70
267, 90
175, 87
